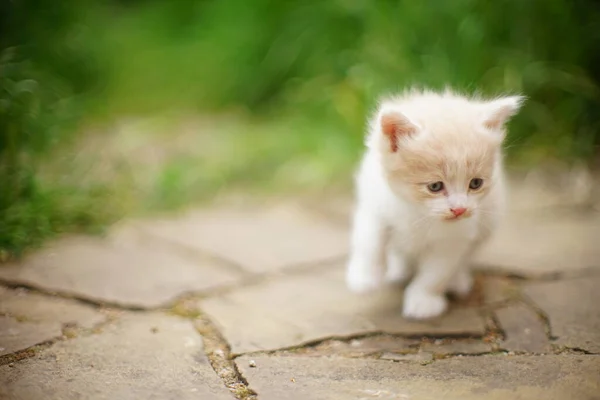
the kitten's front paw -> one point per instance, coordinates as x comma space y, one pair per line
461, 284
419, 304
361, 280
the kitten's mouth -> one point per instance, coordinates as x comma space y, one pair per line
457, 217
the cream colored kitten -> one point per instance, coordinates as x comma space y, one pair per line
430, 189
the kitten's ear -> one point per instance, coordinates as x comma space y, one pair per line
498, 112
394, 126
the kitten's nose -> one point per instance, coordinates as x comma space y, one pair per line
458, 211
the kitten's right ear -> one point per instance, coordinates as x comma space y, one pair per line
499, 111
395, 126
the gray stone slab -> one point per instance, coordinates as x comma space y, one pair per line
335, 207
258, 240
534, 245
524, 330
126, 268
463, 378
139, 357
30, 306
16, 335
298, 309
573, 307
27, 319
551, 187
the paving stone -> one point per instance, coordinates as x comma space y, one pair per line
139, 357
297, 309
29, 306
550, 187
463, 378
524, 330
573, 309
498, 289
258, 240
27, 319
125, 268
534, 245
462, 346
335, 207
16, 335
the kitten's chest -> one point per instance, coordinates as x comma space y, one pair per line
416, 235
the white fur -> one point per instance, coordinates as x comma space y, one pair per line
393, 233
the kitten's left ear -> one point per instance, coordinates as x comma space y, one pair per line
498, 112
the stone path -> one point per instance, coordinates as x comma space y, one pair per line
248, 302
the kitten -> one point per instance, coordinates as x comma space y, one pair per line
430, 190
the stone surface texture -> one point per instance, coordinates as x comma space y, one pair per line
524, 330
573, 308
258, 240
466, 378
16, 335
140, 357
126, 269
302, 308
27, 319
542, 244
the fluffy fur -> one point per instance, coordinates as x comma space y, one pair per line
404, 219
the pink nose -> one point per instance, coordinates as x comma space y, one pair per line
458, 211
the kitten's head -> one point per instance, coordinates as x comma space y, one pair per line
442, 151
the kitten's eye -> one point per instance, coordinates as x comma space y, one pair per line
475, 183
435, 187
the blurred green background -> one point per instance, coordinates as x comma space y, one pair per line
112, 108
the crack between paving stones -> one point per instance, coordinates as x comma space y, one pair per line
494, 333
578, 350
29, 352
350, 338
249, 281
74, 297
541, 314
304, 267
379, 355
257, 279
249, 278
218, 352
527, 302
67, 333
496, 271
195, 254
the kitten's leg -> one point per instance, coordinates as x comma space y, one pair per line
366, 264
398, 268
425, 296
462, 282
